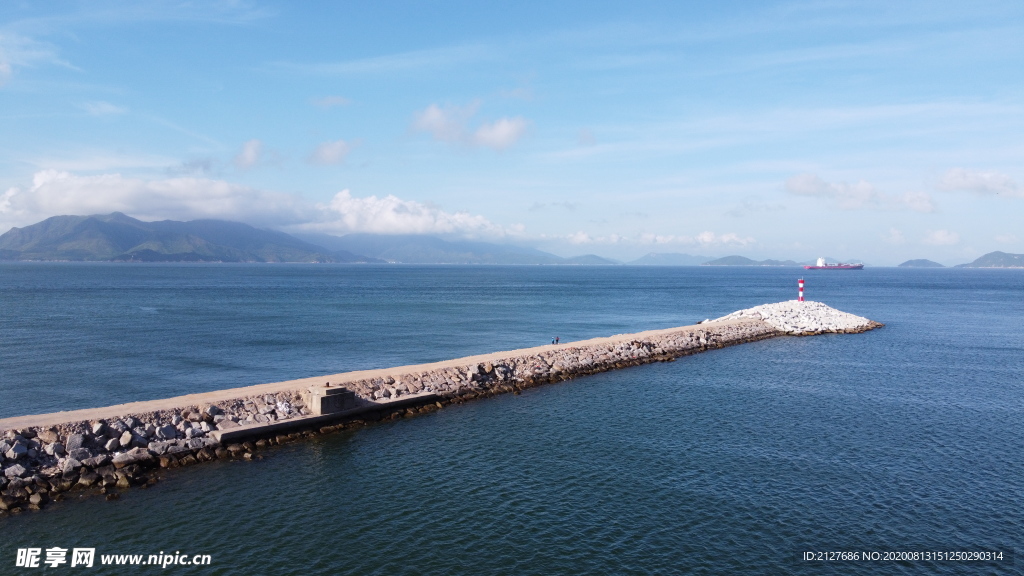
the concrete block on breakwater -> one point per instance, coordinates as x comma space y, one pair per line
44, 456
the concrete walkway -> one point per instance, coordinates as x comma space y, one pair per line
120, 410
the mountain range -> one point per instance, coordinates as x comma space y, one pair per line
996, 260
741, 261
420, 249
117, 237
669, 259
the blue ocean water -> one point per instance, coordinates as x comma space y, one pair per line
736, 460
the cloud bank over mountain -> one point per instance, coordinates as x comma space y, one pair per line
55, 192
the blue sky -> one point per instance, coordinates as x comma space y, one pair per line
880, 131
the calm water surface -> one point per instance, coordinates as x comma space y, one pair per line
736, 460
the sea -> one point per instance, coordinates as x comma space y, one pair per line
896, 451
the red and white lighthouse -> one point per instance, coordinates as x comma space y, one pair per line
800, 283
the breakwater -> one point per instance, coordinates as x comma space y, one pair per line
48, 456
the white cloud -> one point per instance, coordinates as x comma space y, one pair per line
894, 236
54, 193
329, 153
101, 108
664, 239
391, 215
859, 195
252, 154
445, 124
451, 124
331, 101
916, 201
959, 179
193, 167
101, 161
393, 63
501, 133
753, 205
517, 93
7, 201
941, 238
730, 239
704, 239
540, 206
848, 196
580, 238
18, 51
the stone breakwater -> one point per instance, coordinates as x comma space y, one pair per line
47, 457
804, 318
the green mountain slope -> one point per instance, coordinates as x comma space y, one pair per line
920, 263
990, 260
741, 261
117, 237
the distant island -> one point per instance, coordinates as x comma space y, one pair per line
741, 261
996, 260
424, 249
669, 259
920, 263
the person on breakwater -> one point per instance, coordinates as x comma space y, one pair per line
557, 339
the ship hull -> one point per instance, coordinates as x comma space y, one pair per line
837, 267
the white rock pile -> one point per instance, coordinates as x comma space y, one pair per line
805, 318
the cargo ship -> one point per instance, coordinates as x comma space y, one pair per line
822, 265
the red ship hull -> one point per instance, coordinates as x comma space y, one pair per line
836, 267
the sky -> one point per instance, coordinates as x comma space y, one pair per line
878, 131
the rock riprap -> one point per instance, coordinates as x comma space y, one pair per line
805, 318
44, 456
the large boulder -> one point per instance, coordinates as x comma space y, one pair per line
17, 450
166, 432
70, 465
176, 448
80, 453
96, 461
197, 443
74, 442
16, 471
48, 436
133, 456
158, 448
